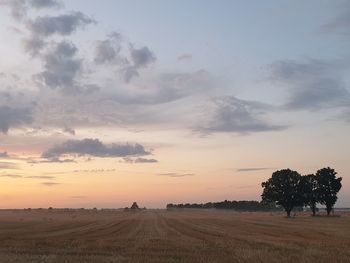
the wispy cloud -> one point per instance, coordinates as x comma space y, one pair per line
139, 160
176, 174
50, 184
79, 196
44, 177
233, 115
11, 175
252, 169
185, 57
313, 84
7, 165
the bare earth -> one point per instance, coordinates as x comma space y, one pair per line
171, 236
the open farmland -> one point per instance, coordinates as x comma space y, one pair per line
171, 236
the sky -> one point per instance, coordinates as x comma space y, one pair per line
103, 103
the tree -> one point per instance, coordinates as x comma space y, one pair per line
284, 188
134, 206
328, 187
309, 187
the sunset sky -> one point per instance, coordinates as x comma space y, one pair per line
103, 103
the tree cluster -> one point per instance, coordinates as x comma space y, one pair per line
289, 189
235, 205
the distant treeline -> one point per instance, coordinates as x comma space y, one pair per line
235, 205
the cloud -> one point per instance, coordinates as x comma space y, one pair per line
34, 45
100, 170
14, 117
15, 176
56, 160
115, 51
107, 51
94, 147
144, 160
50, 184
139, 160
61, 68
45, 177
140, 58
64, 25
176, 174
252, 169
184, 57
165, 87
79, 196
6, 165
232, 115
4, 155
340, 24
313, 84
69, 130
38, 4
19, 8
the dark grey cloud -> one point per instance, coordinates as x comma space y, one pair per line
64, 25
121, 54
232, 115
144, 160
94, 147
176, 174
61, 68
14, 117
39, 4
140, 58
252, 169
313, 84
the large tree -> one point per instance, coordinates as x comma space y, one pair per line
284, 188
328, 187
309, 187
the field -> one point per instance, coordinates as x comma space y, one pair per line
171, 236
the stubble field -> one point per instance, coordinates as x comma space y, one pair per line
171, 236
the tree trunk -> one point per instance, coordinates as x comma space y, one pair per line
329, 209
313, 208
288, 212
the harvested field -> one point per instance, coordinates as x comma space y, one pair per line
171, 236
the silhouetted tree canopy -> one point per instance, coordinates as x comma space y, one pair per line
328, 186
284, 188
134, 206
236, 205
309, 187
